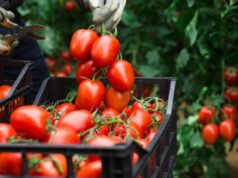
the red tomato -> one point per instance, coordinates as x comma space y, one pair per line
121, 75
91, 169
50, 62
67, 68
6, 131
231, 95
206, 114
229, 112
110, 112
69, 5
227, 129
142, 119
135, 158
231, 76
158, 117
210, 133
63, 135
65, 55
66, 108
30, 121
49, 169
86, 70
4, 91
102, 141
133, 129
137, 105
116, 99
127, 111
60, 74
105, 50
80, 120
90, 94
81, 44
103, 130
10, 164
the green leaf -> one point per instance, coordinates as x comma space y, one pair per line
191, 30
152, 57
130, 19
202, 46
196, 141
148, 70
182, 59
190, 3
192, 119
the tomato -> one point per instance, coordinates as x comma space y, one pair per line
65, 108
105, 50
91, 169
231, 95
206, 114
210, 133
102, 141
142, 119
48, 167
158, 117
103, 130
4, 91
231, 76
65, 55
50, 62
80, 120
6, 131
116, 99
30, 121
90, 94
81, 44
229, 112
86, 70
63, 135
227, 129
67, 68
133, 129
121, 75
135, 158
69, 5
137, 105
127, 111
10, 164
60, 74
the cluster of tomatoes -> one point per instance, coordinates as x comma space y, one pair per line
96, 115
228, 113
62, 66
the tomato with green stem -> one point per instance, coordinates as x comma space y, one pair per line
142, 119
86, 70
121, 75
90, 94
229, 112
128, 131
210, 133
116, 99
65, 108
31, 121
231, 76
227, 129
62, 136
6, 132
207, 114
54, 165
231, 94
105, 50
81, 44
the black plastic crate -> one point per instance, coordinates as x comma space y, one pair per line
18, 75
157, 161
